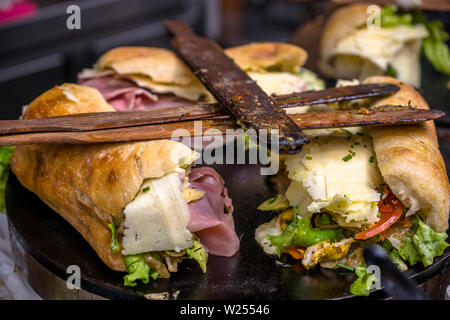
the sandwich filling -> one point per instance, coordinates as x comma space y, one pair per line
336, 173
367, 52
137, 92
332, 200
183, 215
157, 218
391, 44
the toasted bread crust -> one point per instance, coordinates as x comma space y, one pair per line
88, 185
264, 55
410, 161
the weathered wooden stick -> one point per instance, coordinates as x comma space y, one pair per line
339, 119
238, 94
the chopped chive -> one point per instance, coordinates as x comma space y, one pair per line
308, 158
346, 131
343, 266
272, 200
347, 157
409, 104
146, 189
371, 159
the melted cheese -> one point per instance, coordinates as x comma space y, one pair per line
157, 218
368, 52
279, 82
194, 91
272, 228
321, 179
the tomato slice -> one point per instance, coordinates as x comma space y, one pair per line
391, 210
296, 252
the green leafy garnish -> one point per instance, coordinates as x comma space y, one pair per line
392, 17
391, 72
343, 266
325, 219
277, 203
274, 69
138, 269
423, 246
114, 244
347, 157
5, 158
408, 251
434, 46
397, 260
199, 254
364, 281
144, 190
301, 233
313, 82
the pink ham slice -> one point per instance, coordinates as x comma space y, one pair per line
212, 216
124, 95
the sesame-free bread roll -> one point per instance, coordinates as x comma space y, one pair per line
89, 185
410, 161
353, 47
261, 56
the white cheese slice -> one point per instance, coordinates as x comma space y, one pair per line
272, 228
193, 91
88, 73
368, 52
157, 218
279, 82
346, 188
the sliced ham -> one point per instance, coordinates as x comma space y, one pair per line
212, 216
124, 95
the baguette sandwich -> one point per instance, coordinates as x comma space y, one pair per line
385, 185
143, 78
140, 205
357, 42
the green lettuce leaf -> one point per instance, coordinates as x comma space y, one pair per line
138, 269
408, 252
277, 203
5, 158
429, 243
392, 17
394, 255
364, 281
397, 260
301, 233
391, 71
435, 47
313, 82
114, 244
423, 246
199, 254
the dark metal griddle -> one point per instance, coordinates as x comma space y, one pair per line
44, 240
